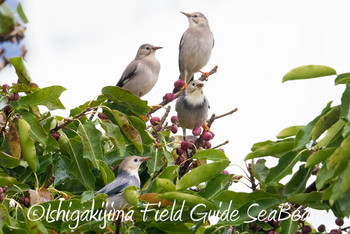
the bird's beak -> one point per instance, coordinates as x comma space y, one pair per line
186, 14
200, 85
157, 48
144, 159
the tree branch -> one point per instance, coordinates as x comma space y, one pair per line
71, 119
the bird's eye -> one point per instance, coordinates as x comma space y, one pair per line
135, 160
147, 48
193, 84
195, 16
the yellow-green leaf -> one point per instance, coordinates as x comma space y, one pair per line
308, 72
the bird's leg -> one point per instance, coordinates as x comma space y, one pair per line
184, 133
206, 128
207, 74
185, 85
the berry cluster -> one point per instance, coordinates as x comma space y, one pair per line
25, 201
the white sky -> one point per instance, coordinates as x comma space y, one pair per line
85, 45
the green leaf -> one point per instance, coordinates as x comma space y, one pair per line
308, 72
91, 138
7, 160
341, 185
342, 79
7, 19
106, 172
332, 134
189, 199
284, 167
210, 154
342, 153
131, 194
4, 217
21, 70
201, 174
326, 121
342, 205
288, 226
272, 149
156, 162
127, 99
46, 96
21, 13
130, 132
216, 185
288, 132
345, 104
36, 130
115, 135
319, 156
298, 182
79, 164
27, 144
166, 184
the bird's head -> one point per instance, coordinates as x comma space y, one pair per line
196, 18
146, 50
194, 92
132, 163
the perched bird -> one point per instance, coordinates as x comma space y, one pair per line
192, 107
142, 73
127, 176
195, 47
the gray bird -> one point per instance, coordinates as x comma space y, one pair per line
140, 76
195, 47
192, 107
127, 176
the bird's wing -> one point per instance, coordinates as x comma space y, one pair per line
116, 186
129, 72
180, 47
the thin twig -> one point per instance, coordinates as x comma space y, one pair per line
164, 102
162, 120
226, 142
211, 120
228, 113
71, 119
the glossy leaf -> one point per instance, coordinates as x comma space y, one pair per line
326, 121
342, 79
126, 98
46, 96
345, 104
298, 182
91, 138
319, 156
215, 185
332, 134
201, 174
342, 153
308, 72
210, 154
130, 194
153, 198
21, 13
260, 171
190, 199
36, 130
106, 172
284, 167
115, 135
272, 149
288, 226
166, 184
7, 19
27, 144
21, 70
156, 162
288, 132
341, 185
7, 160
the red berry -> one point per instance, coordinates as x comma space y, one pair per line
185, 145
207, 144
213, 134
174, 119
196, 131
179, 150
179, 83
26, 201
306, 229
225, 172
2, 196
174, 129
168, 97
4, 88
276, 223
335, 231
102, 116
16, 96
155, 121
272, 232
222, 150
56, 135
339, 222
1, 190
179, 160
321, 228
207, 136
112, 167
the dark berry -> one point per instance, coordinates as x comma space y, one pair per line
196, 131
179, 150
179, 83
306, 229
185, 145
272, 232
335, 231
102, 116
155, 120
7, 109
179, 160
207, 144
298, 232
339, 222
173, 119
194, 164
225, 172
276, 223
321, 228
4, 88
26, 201
56, 135
213, 134
15, 96
207, 136
174, 129
21, 200
168, 97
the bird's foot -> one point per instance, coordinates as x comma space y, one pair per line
206, 74
206, 128
185, 85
